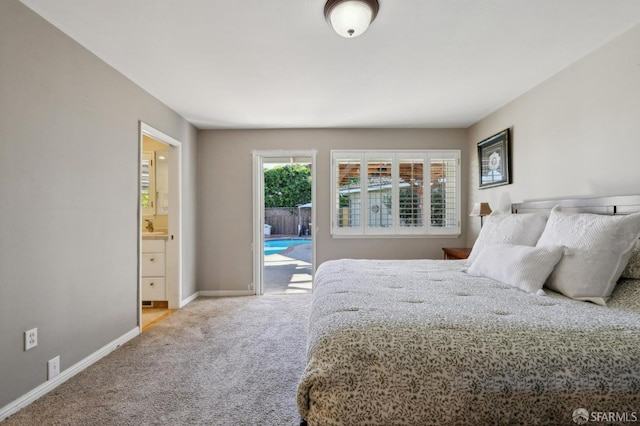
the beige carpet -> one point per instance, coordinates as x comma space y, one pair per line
217, 361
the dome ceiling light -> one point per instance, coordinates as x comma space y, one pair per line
351, 18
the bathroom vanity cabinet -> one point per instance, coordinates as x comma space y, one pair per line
153, 270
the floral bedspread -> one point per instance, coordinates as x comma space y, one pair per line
418, 342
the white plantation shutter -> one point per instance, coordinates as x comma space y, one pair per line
347, 188
389, 193
411, 193
444, 203
380, 198
147, 185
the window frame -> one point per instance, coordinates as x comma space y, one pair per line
363, 227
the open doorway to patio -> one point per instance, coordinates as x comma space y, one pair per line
283, 221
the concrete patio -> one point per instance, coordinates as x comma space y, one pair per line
289, 272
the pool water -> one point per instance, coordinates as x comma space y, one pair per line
280, 245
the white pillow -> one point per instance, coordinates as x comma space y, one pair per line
506, 228
599, 248
524, 267
632, 270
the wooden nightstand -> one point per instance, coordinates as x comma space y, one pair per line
456, 253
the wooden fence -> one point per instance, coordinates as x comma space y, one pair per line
284, 220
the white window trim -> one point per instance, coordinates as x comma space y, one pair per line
363, 230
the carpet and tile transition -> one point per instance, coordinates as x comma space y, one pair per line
217, 361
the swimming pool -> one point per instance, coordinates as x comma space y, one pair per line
280, 245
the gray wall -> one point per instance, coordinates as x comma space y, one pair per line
225, 197
576, 134
68, 184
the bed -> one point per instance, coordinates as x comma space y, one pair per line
420, 342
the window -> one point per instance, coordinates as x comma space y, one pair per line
147, 184
395, 193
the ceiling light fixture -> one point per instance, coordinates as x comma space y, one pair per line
351, 18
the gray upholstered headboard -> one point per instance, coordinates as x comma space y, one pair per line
623, 204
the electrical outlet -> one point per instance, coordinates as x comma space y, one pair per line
30, 339
53, 367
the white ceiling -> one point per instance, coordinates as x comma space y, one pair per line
278, 64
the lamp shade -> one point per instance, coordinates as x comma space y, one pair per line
480, 209
351, 18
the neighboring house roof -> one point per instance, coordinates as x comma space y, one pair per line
375, 184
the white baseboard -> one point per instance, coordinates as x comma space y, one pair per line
49, 385
227, 293
189, 299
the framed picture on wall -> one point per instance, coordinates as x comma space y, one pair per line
494, 155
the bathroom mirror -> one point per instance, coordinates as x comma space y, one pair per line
162, 182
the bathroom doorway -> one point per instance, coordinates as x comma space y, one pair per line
160, 260
284, 243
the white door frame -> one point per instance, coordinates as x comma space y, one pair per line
174, 241
258, 210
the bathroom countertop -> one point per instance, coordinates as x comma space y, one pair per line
155, 236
